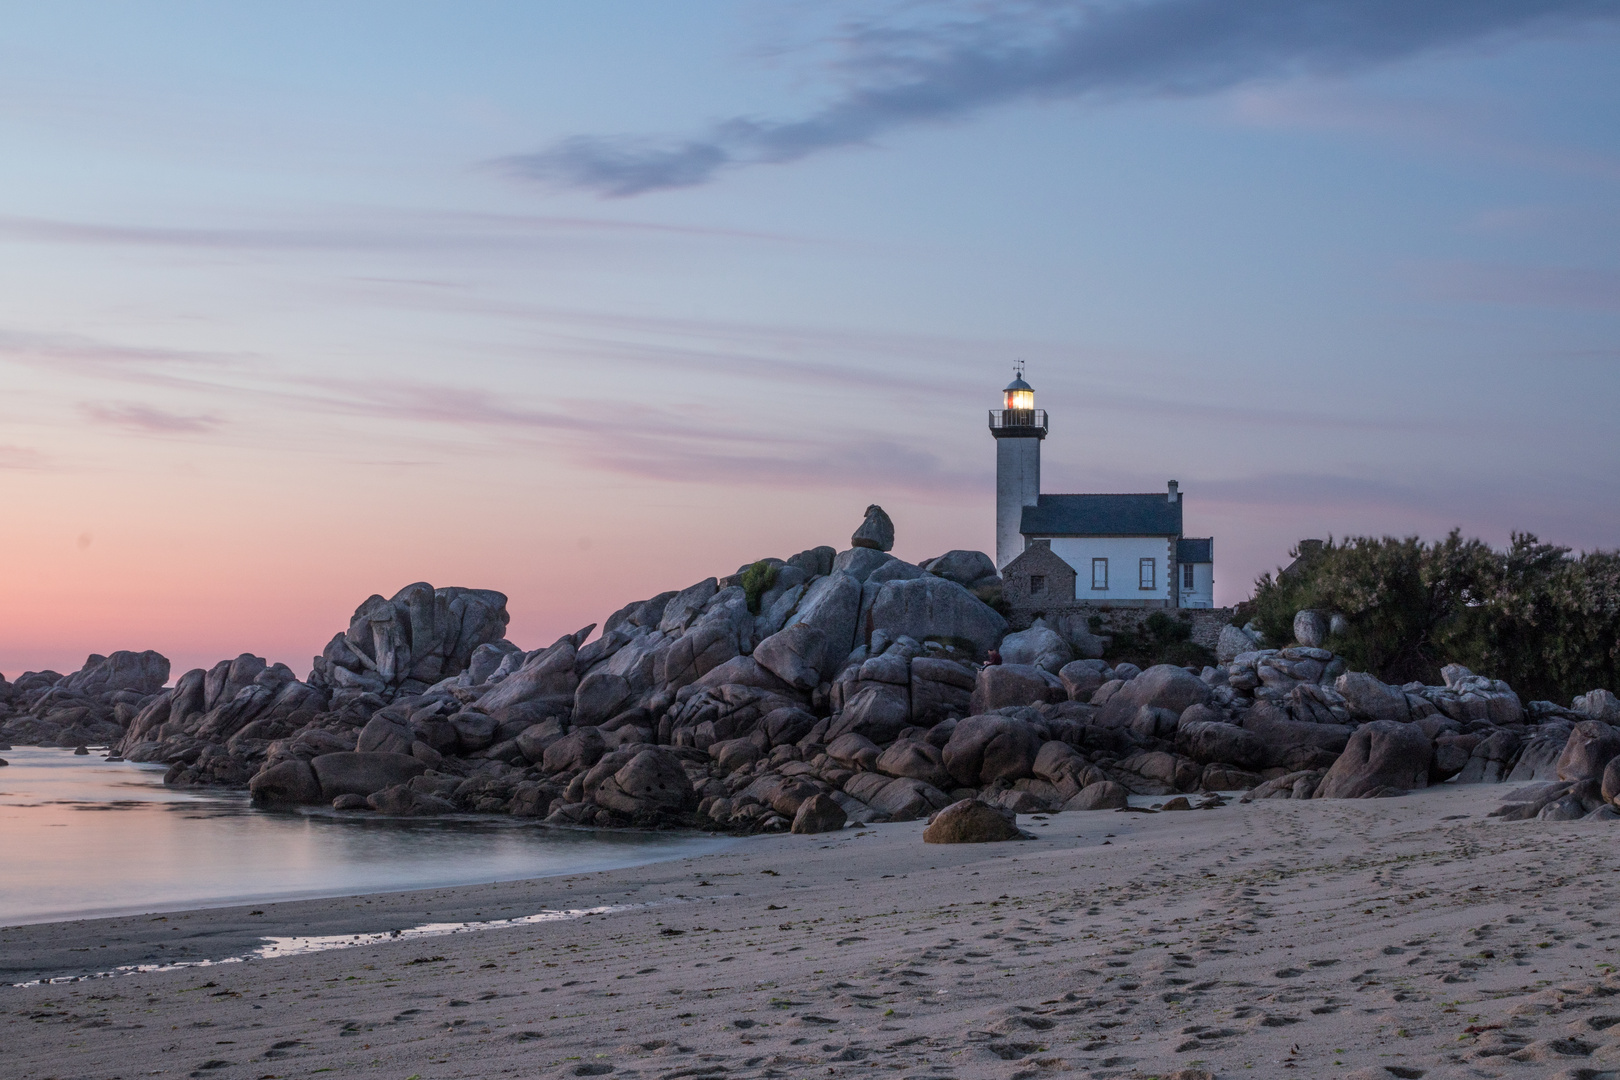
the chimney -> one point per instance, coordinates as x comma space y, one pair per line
1175, 491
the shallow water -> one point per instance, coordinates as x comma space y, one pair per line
81, 837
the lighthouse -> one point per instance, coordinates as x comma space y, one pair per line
1018, 428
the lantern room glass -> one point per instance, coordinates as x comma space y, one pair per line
1020, 400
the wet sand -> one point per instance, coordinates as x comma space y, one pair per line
1382, 938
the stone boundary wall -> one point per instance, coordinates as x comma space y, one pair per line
1206, 622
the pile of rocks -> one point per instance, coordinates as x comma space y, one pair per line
806, 693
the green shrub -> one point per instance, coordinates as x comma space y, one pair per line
756, 581
1546, 623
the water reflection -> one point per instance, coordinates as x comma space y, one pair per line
83, 837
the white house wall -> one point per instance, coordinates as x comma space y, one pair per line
1203, 590
1122, 553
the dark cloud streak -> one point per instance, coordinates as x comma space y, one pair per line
896, 76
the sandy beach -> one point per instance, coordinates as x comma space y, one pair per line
1383, 938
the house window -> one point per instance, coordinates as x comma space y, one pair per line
1099, 573
1187, 576
1037, 584
1148, 569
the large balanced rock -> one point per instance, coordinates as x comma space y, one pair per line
876, 532
971, 822
984, 749
1381, 757
353, 773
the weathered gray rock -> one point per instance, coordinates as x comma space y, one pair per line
579, 749
1611, 780
545, 675
734, 754
1588, 751
1369, 699
533, 740
971, 822
1208, 742
984, 749
1538, 760
1163, 686
940, 689
831, 605
1490, 759
1289, 742
966, 568
348, 772
797, 655
1381, 756
1233, 642
1001, 685
289, 783
855, 750
1310, 629
1300, 784
651, 782
934, 609
916, 760
1039, 646
876, 532
877, 710
383, 733
139, 672
820, 813
1102, 795
907, 799
408, 642
1599, 705
1082, 678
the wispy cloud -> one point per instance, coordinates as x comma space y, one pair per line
895, 75
151, 420
21, 457
362, 231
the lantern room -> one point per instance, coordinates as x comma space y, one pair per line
1020, 396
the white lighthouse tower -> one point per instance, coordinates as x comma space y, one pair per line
1018, 427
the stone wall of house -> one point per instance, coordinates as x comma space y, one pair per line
1206, 622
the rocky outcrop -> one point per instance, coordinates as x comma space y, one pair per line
805, 693
404, 644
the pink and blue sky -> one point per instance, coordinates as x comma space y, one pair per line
305, 301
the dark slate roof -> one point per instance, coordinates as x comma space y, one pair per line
1195, 550
1103, 515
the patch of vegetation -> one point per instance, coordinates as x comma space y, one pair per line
1546, 623
1160, 639
756, 581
